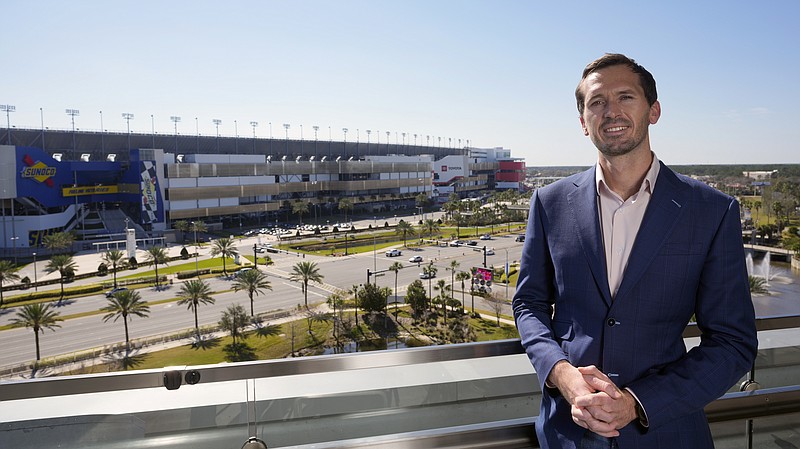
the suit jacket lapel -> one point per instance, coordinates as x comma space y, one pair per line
583, 204
668, 202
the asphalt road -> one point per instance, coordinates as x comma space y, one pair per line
17, 345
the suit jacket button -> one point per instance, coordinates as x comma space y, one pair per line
611, 322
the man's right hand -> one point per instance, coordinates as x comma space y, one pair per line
569, 381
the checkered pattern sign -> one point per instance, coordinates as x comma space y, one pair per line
149, 184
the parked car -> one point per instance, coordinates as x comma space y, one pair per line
519, 238
472, 243
427, 275
456, 243
415, 259
486, 237
393, 253
114, 291
489, 252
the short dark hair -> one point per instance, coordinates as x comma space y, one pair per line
611, 59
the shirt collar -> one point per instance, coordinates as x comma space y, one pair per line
648, 183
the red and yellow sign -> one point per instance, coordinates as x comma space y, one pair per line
38, 171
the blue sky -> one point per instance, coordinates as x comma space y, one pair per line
496, 73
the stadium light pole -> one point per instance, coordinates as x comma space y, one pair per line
197, 133
41, 116
217, 122
128, 116
316, 129
254, 125
153, 129
236, 137
286, 128
369, 131
344, 150
102, 141
72, 113
175, 119
8, 109
301, 139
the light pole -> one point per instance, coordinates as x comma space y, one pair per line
254, 125
102, 139
508, 280
196, 251
316, 129
286, 127
175, 119
369, 131
14, 240
41, 116
344, 150
235, 137
9, 109
153, 129
35, 276
128, 116
217, 122
197, 134
72, 113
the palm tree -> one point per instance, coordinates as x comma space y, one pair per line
395, 268
442, 288
252, 281
8, 273
123, 304
453, 266
58, 241
304, 272
431, 226
464, 276
224, 247
64, 264
430, 271
116, 259
345, 204
157, 255
300, 208
234, 320
192, 294
182, 226
404, 228
38, 317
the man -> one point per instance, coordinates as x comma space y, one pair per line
617, 260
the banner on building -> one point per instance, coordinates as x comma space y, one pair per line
89, 190
149, 185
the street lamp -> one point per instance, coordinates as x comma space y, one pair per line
507, 271
35, 276
128, 116
14, 240
175, 119
73, 113
217, 122
316, 128
9, 109
196, 251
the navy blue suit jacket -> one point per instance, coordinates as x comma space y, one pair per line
687, 260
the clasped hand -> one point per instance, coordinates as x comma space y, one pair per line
597, 404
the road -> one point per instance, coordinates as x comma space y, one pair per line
77, 334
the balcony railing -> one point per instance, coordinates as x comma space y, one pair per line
466, 395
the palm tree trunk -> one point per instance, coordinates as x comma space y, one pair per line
196, 324
252, 313
36, 337
127, 337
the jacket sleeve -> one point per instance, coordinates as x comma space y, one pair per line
533, 300
728, 343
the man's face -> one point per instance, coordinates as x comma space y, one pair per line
616, 115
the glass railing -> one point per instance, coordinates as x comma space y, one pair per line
466, 395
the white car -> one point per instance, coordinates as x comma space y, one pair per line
393, 253
415, 259
486, 237
489, 252
427, 275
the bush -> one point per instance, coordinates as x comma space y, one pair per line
184, 253
133, 263
26, 282
102, 269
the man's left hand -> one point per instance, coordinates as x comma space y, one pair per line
605, 411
